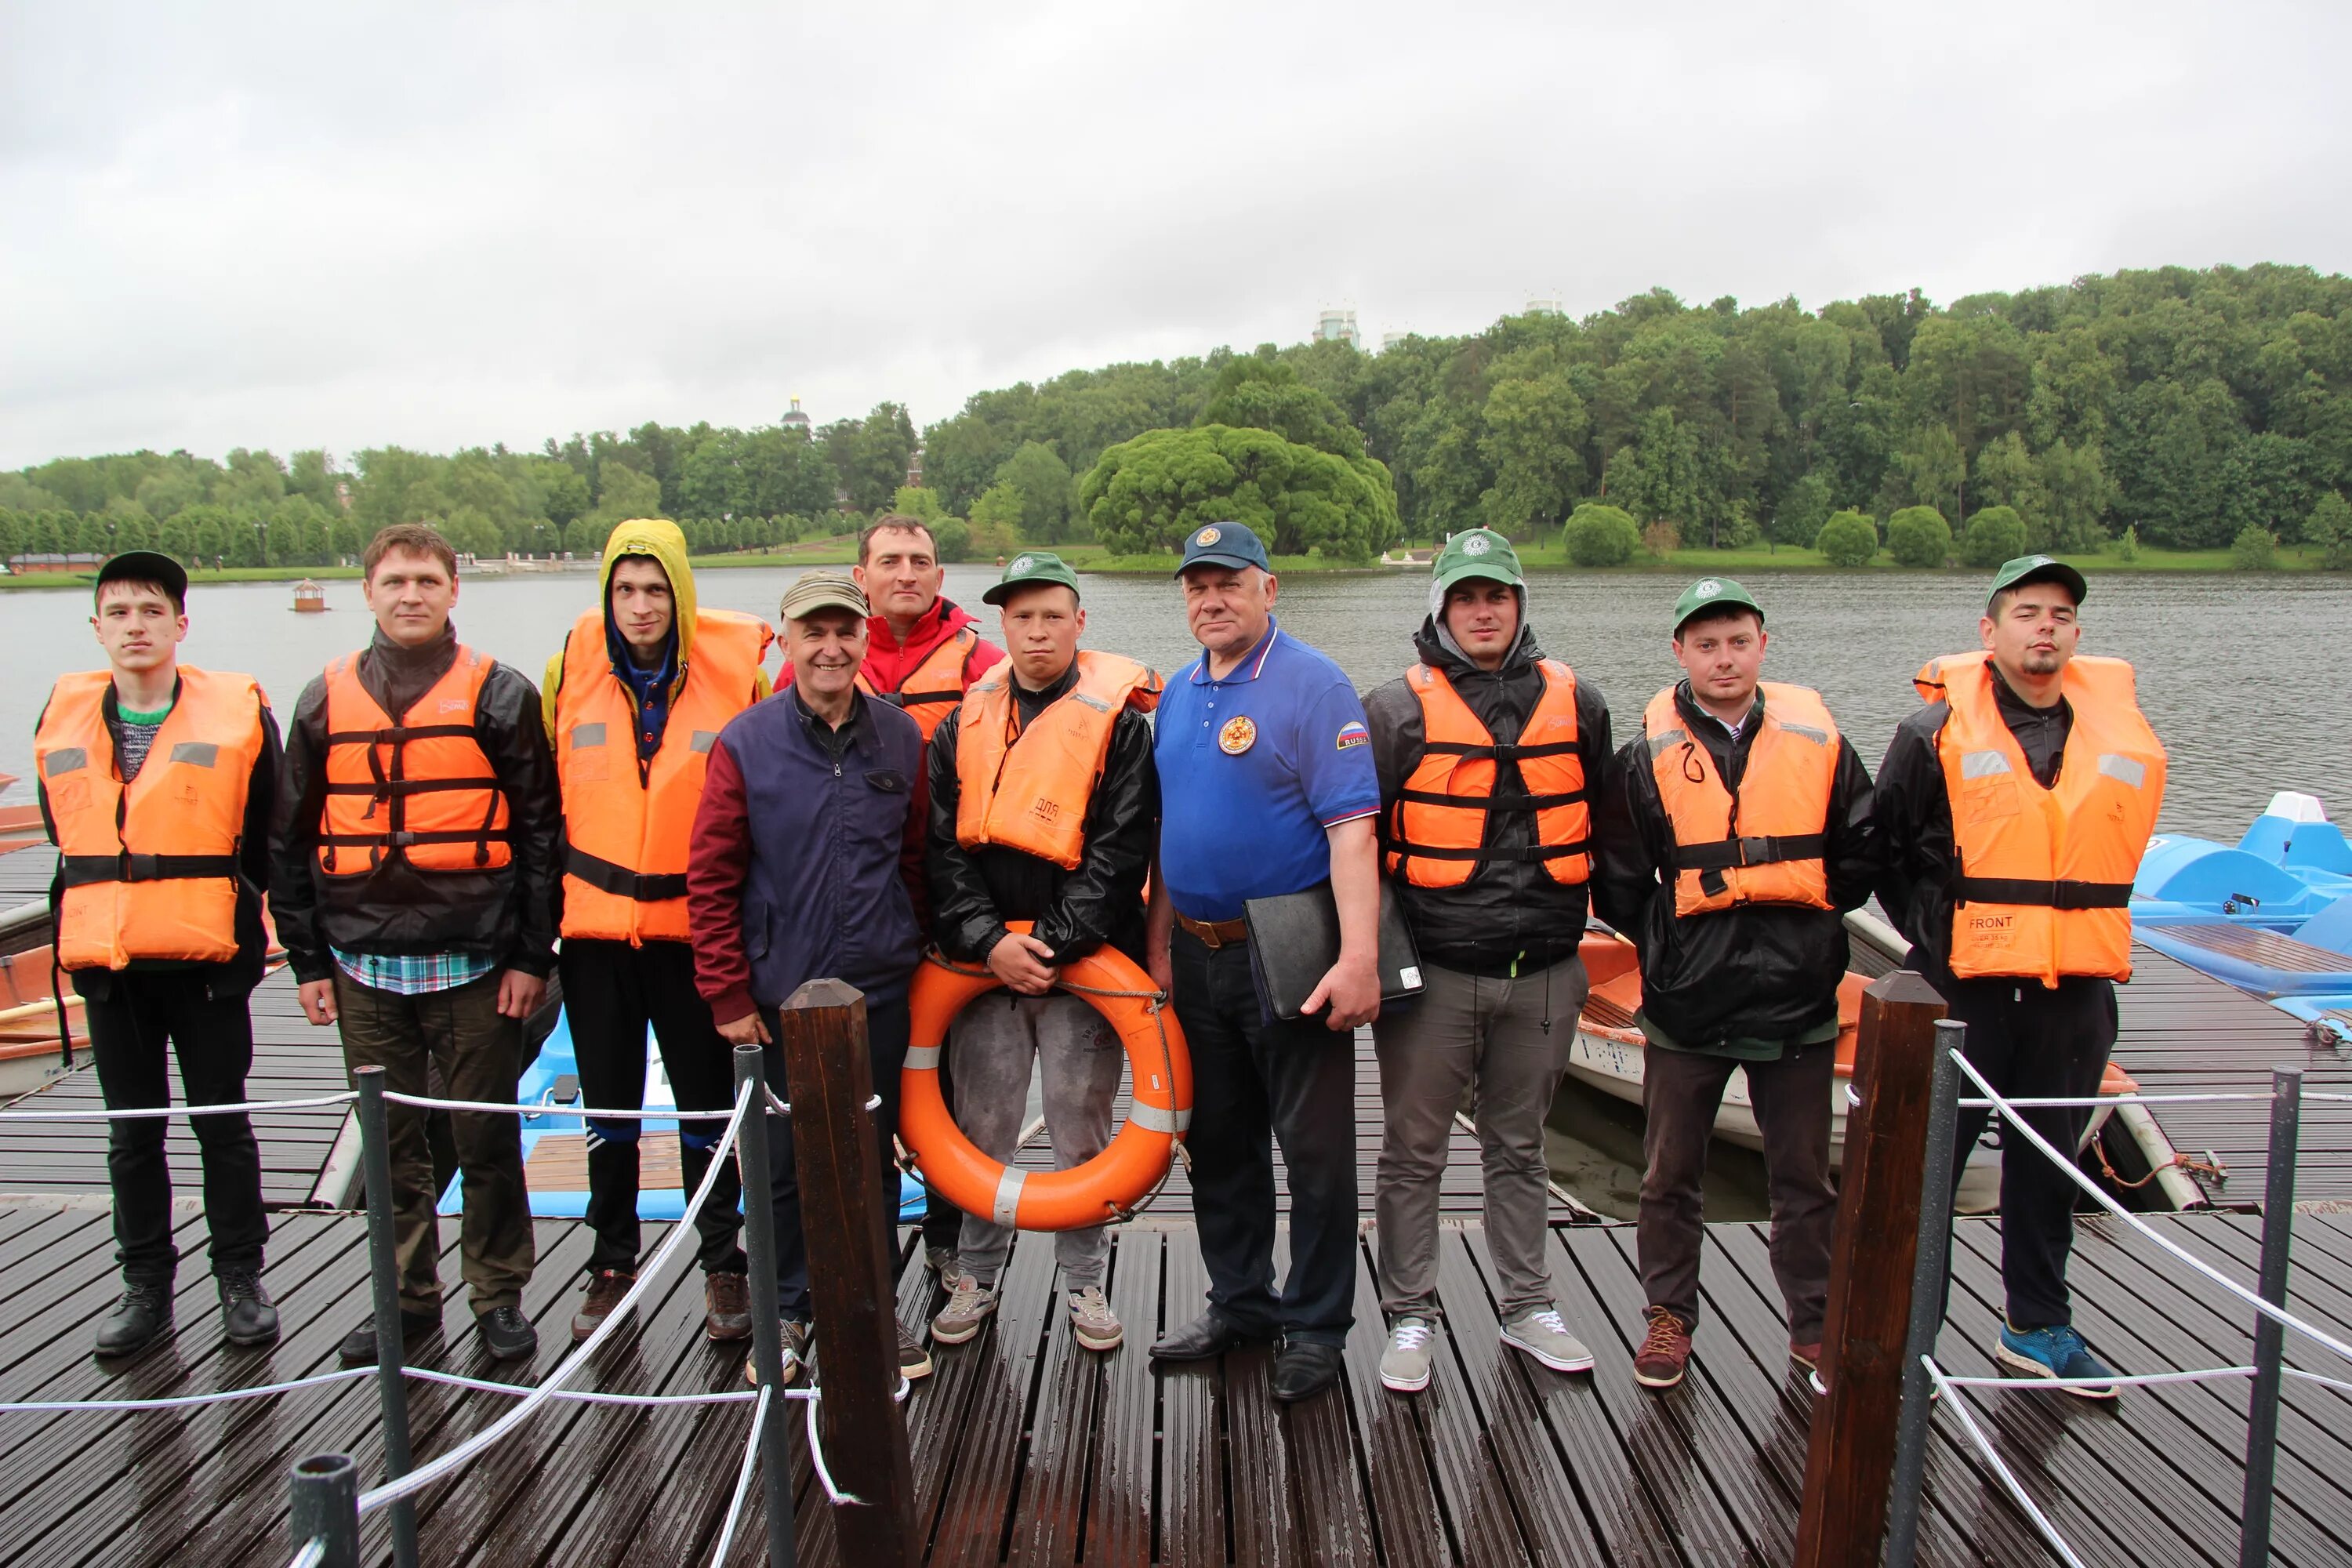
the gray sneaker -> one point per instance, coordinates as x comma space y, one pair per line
796, 1338
1542, 1335
1405, 1364
970, 1306
1092, 1320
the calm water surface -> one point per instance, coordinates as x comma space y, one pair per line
2240, 676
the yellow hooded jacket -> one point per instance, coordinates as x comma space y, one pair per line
627, 820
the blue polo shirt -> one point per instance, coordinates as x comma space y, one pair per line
1252, 768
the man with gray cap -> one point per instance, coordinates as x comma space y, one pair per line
807, 863
1738, 835
2015, 806
1489, 756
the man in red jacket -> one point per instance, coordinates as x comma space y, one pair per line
921, 652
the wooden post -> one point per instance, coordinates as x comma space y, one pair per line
855, 1299
1851, 1452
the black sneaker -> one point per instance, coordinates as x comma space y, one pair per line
358, 1348
143, 1312
507, 1333
247, 1314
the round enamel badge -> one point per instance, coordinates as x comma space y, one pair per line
1476, 546
1207, 536
1708, 588
1238, 736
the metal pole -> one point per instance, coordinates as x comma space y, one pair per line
383, 1268
324, 1507
767, 1328
2269, 1335
1927, 1270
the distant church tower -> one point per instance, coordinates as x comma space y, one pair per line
796, 420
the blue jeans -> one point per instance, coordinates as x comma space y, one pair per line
1255, 1081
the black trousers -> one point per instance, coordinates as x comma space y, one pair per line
142, 1016
2031, 1042
1258, 1081
942, 1221
886, 1026
612, 992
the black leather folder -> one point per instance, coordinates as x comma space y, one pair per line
1295, 941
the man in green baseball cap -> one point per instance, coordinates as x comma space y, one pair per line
1044, 802
1488, 756
1741, 834
2025, 569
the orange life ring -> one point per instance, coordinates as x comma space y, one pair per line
1103, 1188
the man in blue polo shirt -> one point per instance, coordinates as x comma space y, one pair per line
1266, 788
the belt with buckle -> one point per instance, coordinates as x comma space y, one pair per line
1214, 935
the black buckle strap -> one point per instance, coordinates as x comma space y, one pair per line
1480, 751
909, 699
1728, 854
386, 788
83, 870
2056, 895
398, 734
1538, 852
404, 839
1493, 803
620, 881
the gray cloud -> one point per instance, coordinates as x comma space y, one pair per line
299, 226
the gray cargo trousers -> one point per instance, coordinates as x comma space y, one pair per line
994, 1042
1466, 1030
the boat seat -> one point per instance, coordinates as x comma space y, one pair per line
2263, 961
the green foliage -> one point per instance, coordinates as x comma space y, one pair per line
2255, 550
1041, 482
2127, 545
2329, 526
953, 536
1918, 536
1535, 429
1804, 508
1992, 536
1597, 534
996, 516
1262, 393
919, 500
1848, 539
1147, 494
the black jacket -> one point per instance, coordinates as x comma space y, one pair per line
508, 914
1509, 911
239, 974
974, 892
1759, 972
1915, 816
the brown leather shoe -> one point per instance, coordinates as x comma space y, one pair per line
605, 1288
727, 1307
1665, 1351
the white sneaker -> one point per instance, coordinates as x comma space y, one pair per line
970, 1306
1405, 1364
1096, 1326
1542, 1335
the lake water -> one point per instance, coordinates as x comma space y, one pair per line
2240, 676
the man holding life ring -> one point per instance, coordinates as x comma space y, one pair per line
2016, 805
1044, 801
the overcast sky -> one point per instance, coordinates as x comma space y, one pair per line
294, 226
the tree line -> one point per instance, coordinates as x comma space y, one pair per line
2172, 407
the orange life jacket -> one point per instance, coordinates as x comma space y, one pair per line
626, 823
2045, 875
1437, 828
150, 869
420, 788
1764, 843
1028, 789
934, 686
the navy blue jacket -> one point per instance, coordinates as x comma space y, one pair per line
807, 854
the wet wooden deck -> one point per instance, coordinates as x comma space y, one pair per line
1030, 1451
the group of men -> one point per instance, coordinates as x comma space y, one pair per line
703, 846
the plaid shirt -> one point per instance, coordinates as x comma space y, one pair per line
414, 973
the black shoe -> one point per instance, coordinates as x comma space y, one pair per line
1207, 1335
1302, 1371
358, 1348
247, 1314
143, 1312
507, 1333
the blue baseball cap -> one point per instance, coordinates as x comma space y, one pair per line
1223, 544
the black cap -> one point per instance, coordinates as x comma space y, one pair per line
1223, 544
147, 566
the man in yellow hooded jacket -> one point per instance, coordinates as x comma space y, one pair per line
633, 703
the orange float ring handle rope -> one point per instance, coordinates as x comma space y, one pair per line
1108, 1187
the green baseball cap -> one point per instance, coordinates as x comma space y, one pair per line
2036, 569
1476, 553
1713, 593
1030, 566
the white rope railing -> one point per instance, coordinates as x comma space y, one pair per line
426, 1475
136, 1113
553, 1108
743, 1482
184, 1401
2016, 1491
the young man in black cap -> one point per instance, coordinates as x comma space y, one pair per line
2016, 806
1739, 835
156, 784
